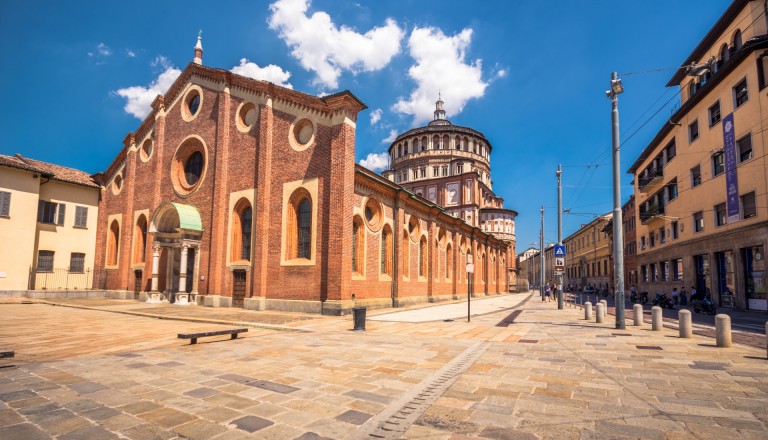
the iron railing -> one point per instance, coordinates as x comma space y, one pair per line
65, 279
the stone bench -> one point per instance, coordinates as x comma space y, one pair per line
193, 336
6, 354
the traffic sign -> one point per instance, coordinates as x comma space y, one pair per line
558, 271
559, 262
560, 250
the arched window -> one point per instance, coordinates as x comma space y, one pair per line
448, 261
242, 221
436, 142
446, 142
299, 239
358, 255
423, 257
386, 251
140, 240
113, 243
737, 40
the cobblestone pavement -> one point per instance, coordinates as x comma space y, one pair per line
526, 372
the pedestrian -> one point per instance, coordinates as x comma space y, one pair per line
547, 292
683, 298
675, 298
555, 286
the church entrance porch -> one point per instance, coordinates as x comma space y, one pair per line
176, 229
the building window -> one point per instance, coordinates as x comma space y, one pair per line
718, 164
406, 254
696, 176
45, 261
654, 274
698, 221
242, 221
435, 172
422, 257
644, 273
642, 242
740, 93
448, 261
113, 243
193, 168
744, 145
714, 114
81, 216
299, 239
459, 168
674, 230
5, 204
77, 262
423, 173
51, 213
386, 251
652, 239
670, 150
140, 240
358, 254
720, 217
664, 268
693, 131
748, 206
445, 171
677, 269
662, 235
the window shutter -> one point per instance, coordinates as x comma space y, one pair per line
62, 208
40, 209
5, 203
81, 216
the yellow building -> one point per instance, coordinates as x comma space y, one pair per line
700, 185
47, 226
589, 260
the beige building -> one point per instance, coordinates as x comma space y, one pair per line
589, 260
47, 226
700, 185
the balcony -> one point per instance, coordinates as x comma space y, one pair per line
651, 213
652, 176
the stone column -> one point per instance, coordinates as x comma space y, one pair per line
154, 296
182, 297
196, 271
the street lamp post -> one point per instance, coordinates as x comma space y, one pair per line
618, 239
541, 255
559, 235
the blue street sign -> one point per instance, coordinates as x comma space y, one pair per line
559, 251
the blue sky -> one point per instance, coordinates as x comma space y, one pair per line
530, 75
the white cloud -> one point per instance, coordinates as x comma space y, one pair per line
440, 68
130, 54
104, 50
376, 162
271, 73
391, 138
139, 99
376, 116
327, 49
161, 62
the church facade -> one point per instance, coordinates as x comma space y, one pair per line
237, 192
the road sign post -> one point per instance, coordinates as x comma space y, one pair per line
470, 271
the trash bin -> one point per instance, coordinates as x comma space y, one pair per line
358, 314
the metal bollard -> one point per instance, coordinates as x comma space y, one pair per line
657, 324
684, 323
588, 311
638, 314
600, 313
723, 330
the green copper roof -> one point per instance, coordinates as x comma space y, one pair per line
189, 217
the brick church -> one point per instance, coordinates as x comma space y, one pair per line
236, 192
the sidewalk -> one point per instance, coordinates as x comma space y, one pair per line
530, 371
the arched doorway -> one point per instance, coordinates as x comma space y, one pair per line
176, 229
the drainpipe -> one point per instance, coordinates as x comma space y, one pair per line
395, 246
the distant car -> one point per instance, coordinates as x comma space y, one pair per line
590, 290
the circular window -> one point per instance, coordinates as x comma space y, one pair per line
188, 167
193, 101
117, 184
246, 116
146, 150
414, 229
373, 215
302, 134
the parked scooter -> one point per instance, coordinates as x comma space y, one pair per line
663, 301
640, 298
705, 305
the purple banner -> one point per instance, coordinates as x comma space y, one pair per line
731, 179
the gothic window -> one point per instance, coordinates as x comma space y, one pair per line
299, 239
242, 223
386, 251
140, 240
113, 243
358, 245
422, 257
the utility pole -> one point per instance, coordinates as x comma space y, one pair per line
559, 233
618, 239
541, 255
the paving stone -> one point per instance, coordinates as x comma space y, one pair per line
373, 397
48, 407
740, 424
86, 387
202, 393
272, 386
9, 417
139, 407
17, 395
311, 436
199, 430
89, 433
148, 431
506, 434
353, 417
23, 431
447, 423
167, 417
250, 423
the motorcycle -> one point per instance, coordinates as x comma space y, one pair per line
662, 301
641, 298
705, 305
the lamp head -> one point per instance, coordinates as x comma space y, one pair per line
616, 87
